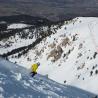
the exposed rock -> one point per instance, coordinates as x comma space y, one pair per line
65, 81
38, 53
28, 59
52, 45
80, 46
96, 72
59, 49
74, 37
91, 73
44, 39
42, 50
95, 54
65, 41
52, 53
56, 53
81, 66
79, 55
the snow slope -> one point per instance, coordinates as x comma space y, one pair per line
15, 82
77, 63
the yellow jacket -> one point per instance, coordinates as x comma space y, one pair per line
34, 67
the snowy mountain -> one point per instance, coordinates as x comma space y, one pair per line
15, 82
68, 54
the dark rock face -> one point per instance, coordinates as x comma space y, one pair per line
51, 9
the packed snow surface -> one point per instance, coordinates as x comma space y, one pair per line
16, 82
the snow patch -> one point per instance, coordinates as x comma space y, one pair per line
1, 96
17, 26
1, 89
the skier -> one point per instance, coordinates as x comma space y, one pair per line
34, 68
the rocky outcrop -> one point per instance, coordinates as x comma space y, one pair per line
53, 45
55, 53
65, 41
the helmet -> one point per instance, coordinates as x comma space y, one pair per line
38, 64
